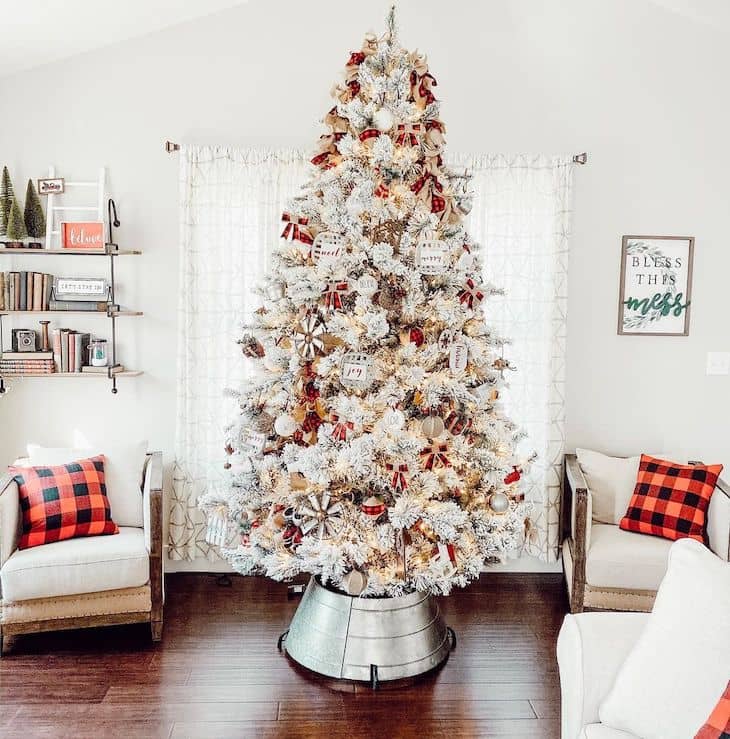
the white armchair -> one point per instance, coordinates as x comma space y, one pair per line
608, 568
89, 581
592, 647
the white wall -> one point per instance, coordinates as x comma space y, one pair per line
641, 89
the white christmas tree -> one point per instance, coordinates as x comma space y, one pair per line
371, 449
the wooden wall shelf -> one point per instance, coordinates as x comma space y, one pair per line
104, 314
87, 375
71, 252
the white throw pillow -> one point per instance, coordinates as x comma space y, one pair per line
123, 469
611, 481
680, 666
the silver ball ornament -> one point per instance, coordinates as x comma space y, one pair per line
432, 427
499, 503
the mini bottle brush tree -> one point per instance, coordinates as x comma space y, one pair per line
371, 449
6, 200
35, 221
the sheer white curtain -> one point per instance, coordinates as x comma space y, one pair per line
522, 215
231, 202
230, 209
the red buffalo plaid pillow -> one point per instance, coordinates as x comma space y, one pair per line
670, 500
63, 502
718, 725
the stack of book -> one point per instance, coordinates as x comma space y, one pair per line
27, 363
70, 350
25, 290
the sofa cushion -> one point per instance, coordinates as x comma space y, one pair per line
670, 500
601, 731
76, 566
673, 678
611, 481
622, 559
123, 467
63, 502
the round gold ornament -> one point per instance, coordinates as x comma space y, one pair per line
432, 427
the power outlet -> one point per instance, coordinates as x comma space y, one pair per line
718, 363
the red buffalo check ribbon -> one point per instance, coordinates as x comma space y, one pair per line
513, 476
434, 123
354, 87
421, 88
356, 58
296, 227
470, 294
399, 481
369, 133
427, 187
382, 190
434, 456
333, 295
340, 429
407, 134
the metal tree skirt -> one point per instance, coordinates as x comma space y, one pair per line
371, 639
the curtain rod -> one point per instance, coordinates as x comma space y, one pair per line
171, 147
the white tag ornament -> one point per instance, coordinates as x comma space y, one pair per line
356, 370
432, 257
253, 441
458, 356
327, 247
367, 285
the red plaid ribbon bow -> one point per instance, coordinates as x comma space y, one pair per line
471, 293
399, 481
407, 134
421, 88
369, 133
333, 295
427, 187
356, 58
296, 227
341, 428
434, 456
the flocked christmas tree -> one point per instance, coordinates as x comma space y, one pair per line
371, 448
6, 200
35, 221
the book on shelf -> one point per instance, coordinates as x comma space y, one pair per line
25, 291
70, 349
26, 356
102, 370
84, 305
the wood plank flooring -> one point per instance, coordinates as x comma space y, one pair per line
217, 673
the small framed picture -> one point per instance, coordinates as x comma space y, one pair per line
51, 186
656, 285
83, 235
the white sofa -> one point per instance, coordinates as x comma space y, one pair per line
592, 647
89, 581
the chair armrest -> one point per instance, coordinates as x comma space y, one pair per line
577, 518
152, 492
592, 647
9, 517
152, 501
718, 521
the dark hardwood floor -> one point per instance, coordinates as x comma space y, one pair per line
217, 673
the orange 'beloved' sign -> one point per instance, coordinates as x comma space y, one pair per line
82, 235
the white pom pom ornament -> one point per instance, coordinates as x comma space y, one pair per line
285, 425
383, 119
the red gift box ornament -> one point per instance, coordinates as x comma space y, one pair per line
340, 429
407, 134
471, 294
399, 481
296, 228
333, 293
513, 476
434, 455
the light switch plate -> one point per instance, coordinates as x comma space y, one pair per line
718, 363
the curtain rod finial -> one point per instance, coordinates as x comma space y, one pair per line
170, 147
581, 158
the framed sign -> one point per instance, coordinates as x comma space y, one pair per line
51, 186
85, 235
656, 285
